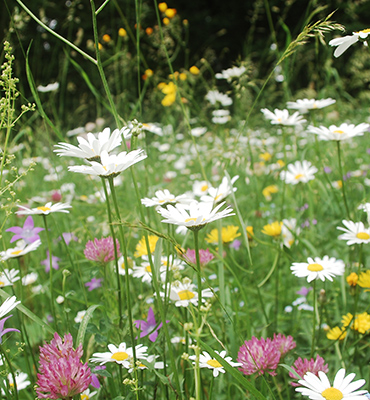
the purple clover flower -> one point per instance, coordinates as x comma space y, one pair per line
93, 284
205, 256
283, 343
54, 262
29, 233
149, 327
301, 367
62, 374
101, 250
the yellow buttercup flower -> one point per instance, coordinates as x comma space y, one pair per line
162, 7
364, 279
268, 190
336, 333
106, 38
352, 279
273, 229
149, 31
183, 76
228, 234
194, 70
170, 12
250, 232
361, 323
166, 21
265, 156
141, 249
122, 32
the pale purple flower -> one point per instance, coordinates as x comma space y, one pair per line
4, 331
327, 170
54, 262
68, 237
62, 374
259, 356
301, 367
303, 291
101, 250
236, 244
29, 233
149, 327
94, 377
283, 343
93, 284
204, 256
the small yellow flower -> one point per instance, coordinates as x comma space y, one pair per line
170, 12
273, 229
166, 21
268, 190
162, 7
352, 279
183, 76
161, 85
281, 163
336, 333
194, 70
360, 324
338, 184
250, 232
228, 234
147, 74
141, 249
265, 156
364, 279
122, 32
168, 100
149, 31
106, 38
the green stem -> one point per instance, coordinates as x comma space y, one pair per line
342, 178
199, 276
11, 371
51, 269
314, 319
221, 271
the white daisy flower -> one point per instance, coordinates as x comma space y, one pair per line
214, 96
320, 388
163, 198
220, 116
216, 195
318, 268
231, 73
51, 87
121, 265
354, 233
19, 250
86, 394
339, 133
144, 271
184, 293
151, 360
299, 172
8, 305
366, 208
200, 188
206, 361
121, 355
80, 316
30, 278
345, 42
111, 165
305, 105
153, 128
199, 131
180, 339
289, 231
44, 210
92, 147
195, 216
8, 277
282, 117
21, 380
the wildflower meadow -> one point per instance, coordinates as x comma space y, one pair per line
174, 228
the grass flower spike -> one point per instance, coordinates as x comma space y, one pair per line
320, 388
92, 147
196, 216
325, 268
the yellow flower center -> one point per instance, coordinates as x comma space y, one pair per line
204, 188
190, 219
298, 176
2, 283
148, 269
120, 356
315, 267
214, 363
332, 394
364, 31
363, 236
185, 294
84, 397
43, 208
16, 252
218, 196
338, 131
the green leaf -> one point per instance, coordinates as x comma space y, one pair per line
290, 369
84, 322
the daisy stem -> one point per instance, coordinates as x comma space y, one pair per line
221, 272
211, 388
342, 178
15, 390
277, 388
314, 319
109, 211
196, 246
51, 269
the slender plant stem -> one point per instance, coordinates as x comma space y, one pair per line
342, 178
15, 390
51, 269
221, 271
314, 318
199, 276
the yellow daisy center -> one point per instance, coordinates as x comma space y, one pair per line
298, 176
218, 196
204, 188
43, 208
363, 236
84, 397
214, 363
332, 394
120, 356
16, 252
185, 294
364, 31
2, 283
338, 131
190, 219
148, 269
315, 267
